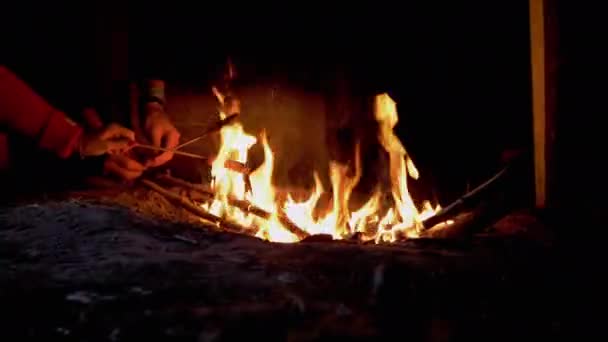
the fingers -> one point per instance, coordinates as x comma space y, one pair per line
171, 139
157, 137
118, 146
160, 159
113, 139
114, 131
91, 146
123, 167
128, 163
162, 133
156, 134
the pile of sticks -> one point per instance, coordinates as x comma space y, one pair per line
200, 193
190, 196
196, 193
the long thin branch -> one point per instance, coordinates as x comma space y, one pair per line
186, 204
456, 207
228, 164
241, 204
216, 127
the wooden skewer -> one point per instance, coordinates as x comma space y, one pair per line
458, 205
229, 164
156, 148
212, 129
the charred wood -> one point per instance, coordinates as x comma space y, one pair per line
206, 194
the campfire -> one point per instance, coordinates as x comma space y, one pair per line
249, 202
337, 220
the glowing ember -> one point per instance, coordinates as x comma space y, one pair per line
403, 219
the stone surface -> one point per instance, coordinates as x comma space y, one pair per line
78, 270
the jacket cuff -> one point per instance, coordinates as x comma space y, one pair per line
61, 135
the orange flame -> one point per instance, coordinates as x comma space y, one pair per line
402, 219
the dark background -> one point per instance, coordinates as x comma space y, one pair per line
581, 109
460, 72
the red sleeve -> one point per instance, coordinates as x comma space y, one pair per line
25, 112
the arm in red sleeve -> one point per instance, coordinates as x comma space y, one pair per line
25, 112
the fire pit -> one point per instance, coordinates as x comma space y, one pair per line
305, 218
240, 256
247, 201
77, 270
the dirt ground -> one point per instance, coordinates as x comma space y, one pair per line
130, 265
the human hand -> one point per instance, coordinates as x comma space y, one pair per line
161, 131
123, 166
110, 140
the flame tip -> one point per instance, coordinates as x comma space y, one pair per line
402, 219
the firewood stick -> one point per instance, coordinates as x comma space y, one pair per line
231, 226
172, 150
207, 193
212, 129
180, 182
229, 164
236, 166
458, 205
241, 204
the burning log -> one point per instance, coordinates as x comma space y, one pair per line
230, 226
241, 204
236, 166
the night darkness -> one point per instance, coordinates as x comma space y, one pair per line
460, 72
461, 75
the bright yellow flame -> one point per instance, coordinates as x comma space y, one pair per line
367, 214
235, 144
402, 219
302, 213
336, 222
408, 218
264, 197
